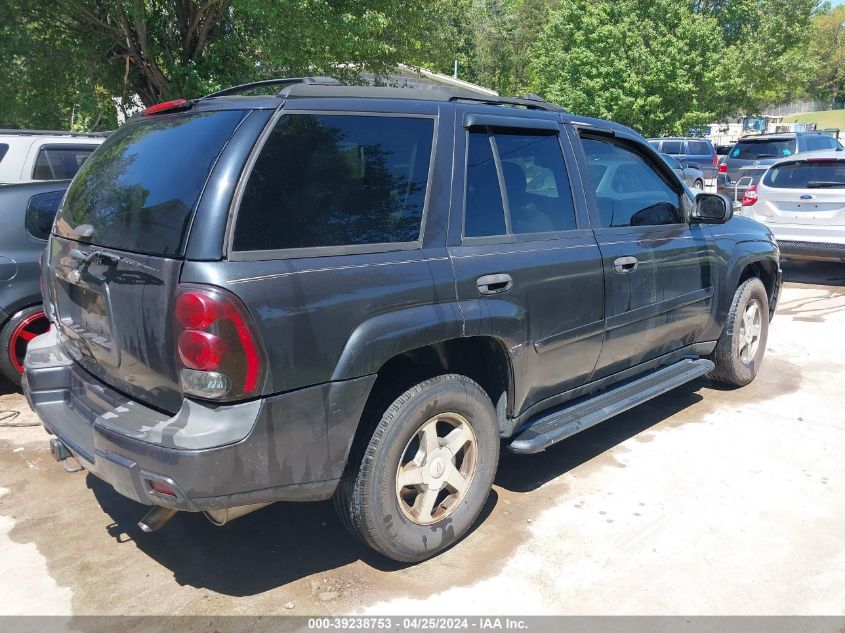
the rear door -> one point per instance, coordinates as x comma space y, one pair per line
658, 270
118, 244
527, 266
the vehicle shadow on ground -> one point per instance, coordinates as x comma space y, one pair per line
524, 473
289, 541
270, 548
7, 387
813, 273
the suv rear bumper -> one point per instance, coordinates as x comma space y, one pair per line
293, 448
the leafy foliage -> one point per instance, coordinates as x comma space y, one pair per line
827, 50
652, 64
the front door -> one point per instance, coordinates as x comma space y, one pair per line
657, 267
527, 267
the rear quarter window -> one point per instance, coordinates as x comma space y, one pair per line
673, 147
698, 148
60, 162
139, 191
330, 180
4, 147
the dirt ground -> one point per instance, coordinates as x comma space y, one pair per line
703, 501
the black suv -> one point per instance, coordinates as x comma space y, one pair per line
362, 292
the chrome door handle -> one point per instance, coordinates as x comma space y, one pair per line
625, 264
494, 284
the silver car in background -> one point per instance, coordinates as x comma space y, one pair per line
802, 201
690, 174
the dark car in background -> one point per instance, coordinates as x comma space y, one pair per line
698, 152
751, 156
28, 210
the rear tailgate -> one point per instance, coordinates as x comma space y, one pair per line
805, 192
117, 248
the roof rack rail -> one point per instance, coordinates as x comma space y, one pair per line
54, 133
283, 81
532, 102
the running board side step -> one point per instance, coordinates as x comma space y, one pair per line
559, 424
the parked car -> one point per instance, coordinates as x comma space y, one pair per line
28, 212
688, 173
753, 155
802, 201
35, 155
360, 293
697, 152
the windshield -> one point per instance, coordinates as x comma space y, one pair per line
768, 148
807, 175
138, 191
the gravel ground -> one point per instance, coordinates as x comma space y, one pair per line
703, 501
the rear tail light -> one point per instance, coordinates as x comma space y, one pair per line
749, 198
715, 159
723, 168
216, 344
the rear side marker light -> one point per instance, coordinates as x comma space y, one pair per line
161, 488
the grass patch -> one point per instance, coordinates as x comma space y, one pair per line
823, 119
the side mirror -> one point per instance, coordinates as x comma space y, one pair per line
712, 208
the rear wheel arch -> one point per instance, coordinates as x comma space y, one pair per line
483, 359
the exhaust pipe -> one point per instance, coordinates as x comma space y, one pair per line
155, 518
224, 515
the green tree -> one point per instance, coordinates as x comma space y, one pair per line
83, 52
653, 64
766, 41
827, 50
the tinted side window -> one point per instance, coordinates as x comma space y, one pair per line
60, 163
336, 180
673, 147
538, 193
698, 148
485, 213
40, 213
629, 191
4, 147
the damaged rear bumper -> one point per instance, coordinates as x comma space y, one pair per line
289, 447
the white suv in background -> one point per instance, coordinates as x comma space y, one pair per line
35, 155
802, 201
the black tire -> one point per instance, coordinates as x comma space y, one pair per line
14, 337
368, 498
698, 184
731, 369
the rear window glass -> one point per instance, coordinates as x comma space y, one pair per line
40, 213
139, 191
754, 150
807, 175
336, 180
60, 162
673, 147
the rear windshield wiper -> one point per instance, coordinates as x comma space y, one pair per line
819, 184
